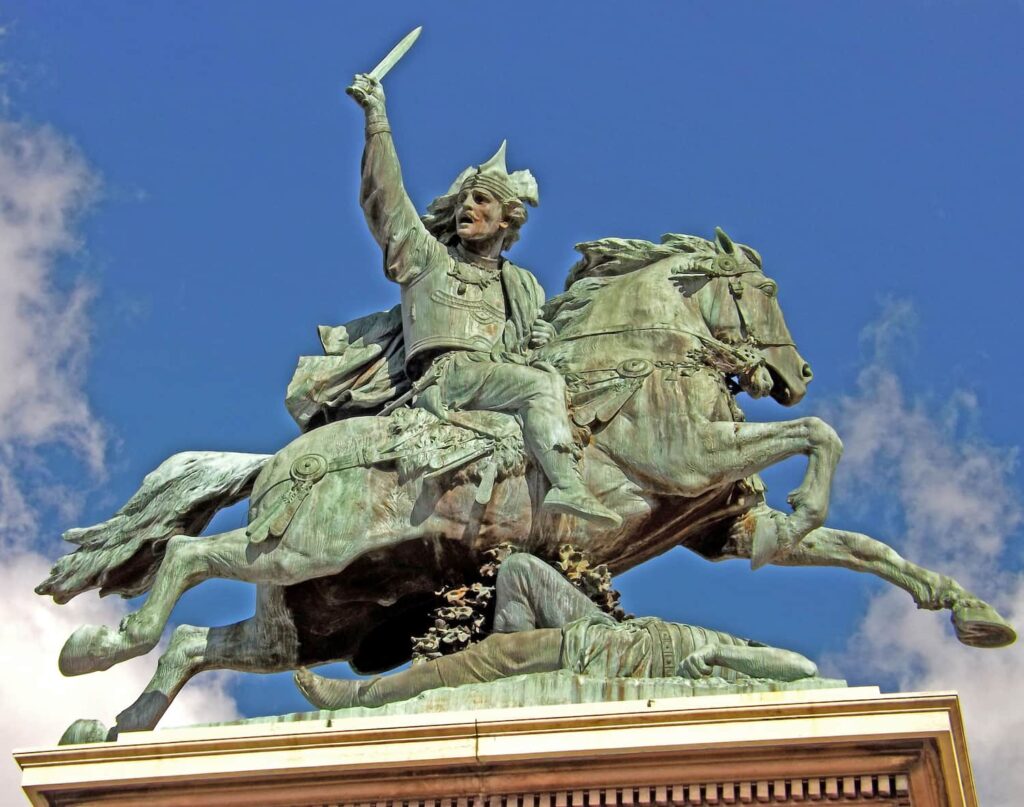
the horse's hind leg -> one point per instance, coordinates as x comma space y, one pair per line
976, 622
265, 643
187, 562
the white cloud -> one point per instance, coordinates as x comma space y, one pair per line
919, 652
38, 703
949, 494
45, 329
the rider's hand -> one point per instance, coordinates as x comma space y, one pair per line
699, 663
367, 92
541, 333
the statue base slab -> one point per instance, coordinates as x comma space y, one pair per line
556, 689
852, 745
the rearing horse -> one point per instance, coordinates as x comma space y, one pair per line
348, 537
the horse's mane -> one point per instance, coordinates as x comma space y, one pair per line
610, 257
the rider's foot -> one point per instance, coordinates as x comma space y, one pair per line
327, 693
577, 501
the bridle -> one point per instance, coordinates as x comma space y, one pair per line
736, 287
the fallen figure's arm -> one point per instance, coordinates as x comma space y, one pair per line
753, 660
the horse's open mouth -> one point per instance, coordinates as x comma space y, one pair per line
784, 394
790, 374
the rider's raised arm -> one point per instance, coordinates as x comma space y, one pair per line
408, 247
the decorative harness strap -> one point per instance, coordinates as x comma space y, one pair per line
308, 469
732, 359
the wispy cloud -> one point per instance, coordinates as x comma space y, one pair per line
949, 497
45, 330
38, 703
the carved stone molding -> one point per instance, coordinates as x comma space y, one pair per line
849, 746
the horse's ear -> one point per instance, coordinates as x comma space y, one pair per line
724, 241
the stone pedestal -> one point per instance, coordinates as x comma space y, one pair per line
848, 746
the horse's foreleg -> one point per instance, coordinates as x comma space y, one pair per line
976, 622
734, 451
187, 562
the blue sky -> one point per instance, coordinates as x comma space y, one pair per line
871, 152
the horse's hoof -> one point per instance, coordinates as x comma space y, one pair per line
85, 731
772, 538
91, 648
979, 625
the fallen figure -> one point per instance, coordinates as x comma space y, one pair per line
542, 623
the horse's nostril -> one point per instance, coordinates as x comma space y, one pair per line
807, 372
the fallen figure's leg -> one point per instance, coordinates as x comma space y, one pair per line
529, 593
500, 655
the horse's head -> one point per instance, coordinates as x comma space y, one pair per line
623, 289
740, 307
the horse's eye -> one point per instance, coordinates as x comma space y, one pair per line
769, 288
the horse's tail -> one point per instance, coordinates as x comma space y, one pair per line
121, 555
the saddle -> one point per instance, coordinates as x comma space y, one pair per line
475, 447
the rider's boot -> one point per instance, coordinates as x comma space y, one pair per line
548, 436
568, 494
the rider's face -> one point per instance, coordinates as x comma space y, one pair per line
479, 216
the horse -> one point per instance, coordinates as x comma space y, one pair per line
352, 527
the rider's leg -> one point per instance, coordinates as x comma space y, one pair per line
538, 397
497, 656
530, 593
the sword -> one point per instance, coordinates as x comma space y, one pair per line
389, 61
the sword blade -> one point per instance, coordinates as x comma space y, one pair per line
397, 52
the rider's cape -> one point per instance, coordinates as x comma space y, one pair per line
363, 366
